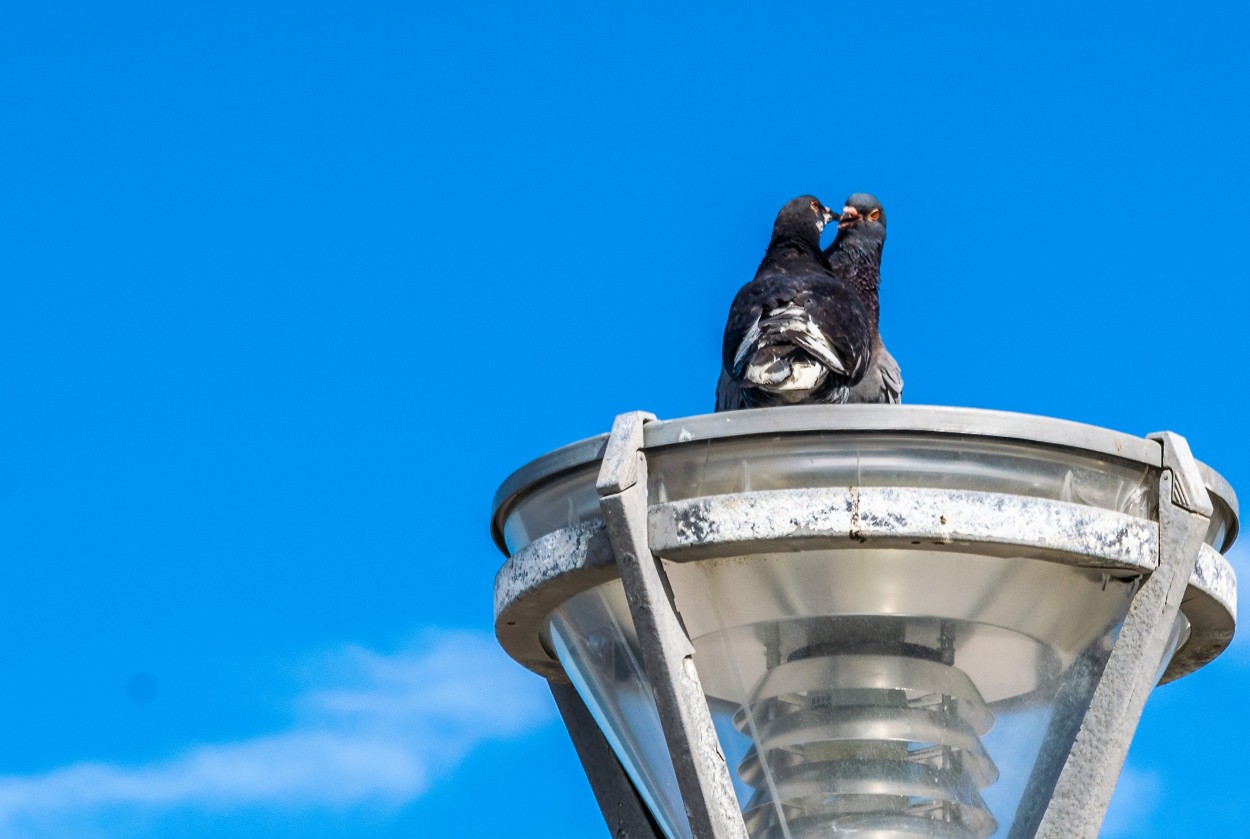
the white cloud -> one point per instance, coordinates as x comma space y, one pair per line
380, 728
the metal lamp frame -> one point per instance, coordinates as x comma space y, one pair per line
1067, 799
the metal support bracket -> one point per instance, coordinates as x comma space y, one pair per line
1089, 775
668, 656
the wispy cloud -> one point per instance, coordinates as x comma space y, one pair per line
379, 728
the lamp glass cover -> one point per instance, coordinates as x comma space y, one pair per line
863, 692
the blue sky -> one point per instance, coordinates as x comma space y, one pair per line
287, 289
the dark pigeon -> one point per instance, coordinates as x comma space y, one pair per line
796, 334
855, 258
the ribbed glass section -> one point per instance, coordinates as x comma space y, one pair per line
873, 694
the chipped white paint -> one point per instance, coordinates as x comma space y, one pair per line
556, 566
565, 551
1214, 575
791, 519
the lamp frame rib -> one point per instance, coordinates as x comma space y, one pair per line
1083, 792
668, 655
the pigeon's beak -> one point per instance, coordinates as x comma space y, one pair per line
849, 216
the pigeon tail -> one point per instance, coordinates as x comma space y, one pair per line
787, 353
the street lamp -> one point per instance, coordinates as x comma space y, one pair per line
861, 621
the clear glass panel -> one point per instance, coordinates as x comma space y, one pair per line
595, 642
826, 459
873, 693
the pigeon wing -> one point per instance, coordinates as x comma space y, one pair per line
839, 316
891, 378
729, 396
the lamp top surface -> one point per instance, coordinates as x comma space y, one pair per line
909, 421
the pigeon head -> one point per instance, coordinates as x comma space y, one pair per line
864, 213
802, 218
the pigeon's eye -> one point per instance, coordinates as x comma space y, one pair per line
816, 207
874, 215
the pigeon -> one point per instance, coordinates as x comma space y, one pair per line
796, 334
855, 258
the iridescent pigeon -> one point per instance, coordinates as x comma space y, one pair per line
855, 258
